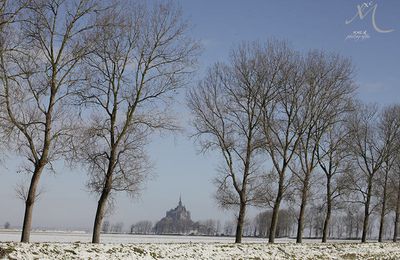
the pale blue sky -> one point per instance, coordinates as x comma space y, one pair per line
220, 25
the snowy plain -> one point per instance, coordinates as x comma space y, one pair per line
72, 237
75, 245
80, 236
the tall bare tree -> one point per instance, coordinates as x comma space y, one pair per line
332, 157
280, 103
396, 183
142, 227
142, 55
369, 152
227, 119
327, 89
389, 128
39, 73
284, 228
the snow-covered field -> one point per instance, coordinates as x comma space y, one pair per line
78, 236
198, 250
74, 245
71, 237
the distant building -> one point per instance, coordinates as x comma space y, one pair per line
176, 221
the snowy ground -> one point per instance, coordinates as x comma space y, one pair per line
71, 237
199, 250
67, 245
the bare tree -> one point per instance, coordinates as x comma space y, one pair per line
327, 90
208, 227
227, 119
284, 227
105, 227
396, 184
228, 228
7, 225
332, 154
280, 118
352, 219
389, 127
116, 228
218, 228
39, 73
369, 152
141, 57
142, 227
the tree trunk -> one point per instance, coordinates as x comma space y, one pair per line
396, 221
102, 203
366, 212
29, 203
39, 166
101, 208
240, 222
275, 212
350, 235
357, 228
328, 209
383, 210
300, 224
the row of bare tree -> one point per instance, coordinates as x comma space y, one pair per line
209, 227
107, 227
87, 81
345, 222
282, 120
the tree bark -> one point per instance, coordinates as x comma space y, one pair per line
383, 210
40, 164
275, 212
366, 212
240, 223
300, 224
101, 208
29, 203
396, 222
328, 209
101, 205
357, 228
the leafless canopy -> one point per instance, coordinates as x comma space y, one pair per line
327, 92
141, 57
227, 119
39, 73
39, 62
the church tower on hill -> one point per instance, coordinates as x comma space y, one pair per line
176, 221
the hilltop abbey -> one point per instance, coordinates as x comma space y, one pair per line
176, 221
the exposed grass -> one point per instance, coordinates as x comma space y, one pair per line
155, 255
349, 256
138, 250
70, 251
5, 252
